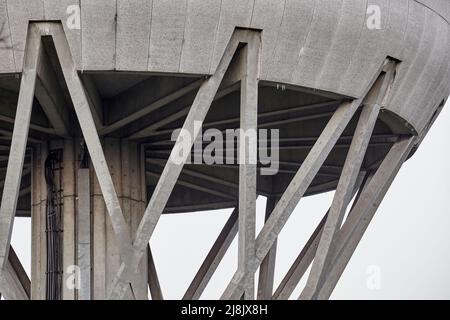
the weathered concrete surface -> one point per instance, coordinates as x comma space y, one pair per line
311, 43
318, 44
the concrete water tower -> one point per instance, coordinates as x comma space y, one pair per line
91, 92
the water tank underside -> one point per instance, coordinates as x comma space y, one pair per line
299, 114
152, 55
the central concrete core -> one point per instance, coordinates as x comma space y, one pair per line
87, 246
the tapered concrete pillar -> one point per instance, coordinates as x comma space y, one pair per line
127, 169
38, 245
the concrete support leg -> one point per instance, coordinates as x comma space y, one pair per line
38, 215
300, 265
267, 268
84, 234
306, 256
341, 199
18, 144
126, 166
14, 282
247, 163
69, 255
153, 280
213, 259
99, 217
363, 212
10, 285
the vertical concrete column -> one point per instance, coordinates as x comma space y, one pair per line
84, 234
126, 164
38, 243
113, 158
98, 243
138, 199
38, 219
69, 219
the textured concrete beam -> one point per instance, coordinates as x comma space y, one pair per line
267, 268
142, 112
247, 165
325, 171
376, 138
343, 194
213, 259
18, 144
32, 126
300, 265
195, 174
19, 272
10, 284
51, 98
153, 281
279, 112
270, 114
84, 234
151, 130
363, 211
306, 255
196, 186
95, 101
200, 207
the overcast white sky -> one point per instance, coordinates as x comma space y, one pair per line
407, 243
